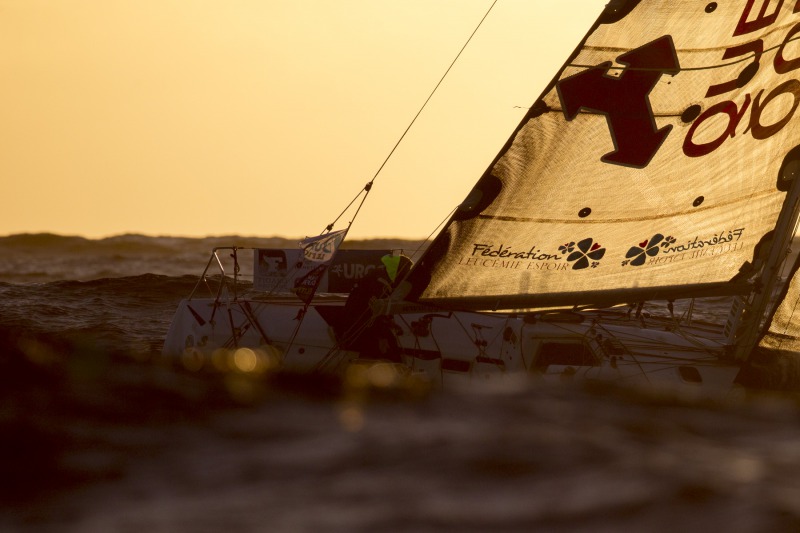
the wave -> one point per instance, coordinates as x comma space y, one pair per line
136, 308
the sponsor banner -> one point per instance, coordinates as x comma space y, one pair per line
351, 265
655, 250
307, 286
279, 270
322, 248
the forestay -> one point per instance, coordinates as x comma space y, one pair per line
649, 168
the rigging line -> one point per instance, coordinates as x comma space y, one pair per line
776, 306
283, 282
333, 351
767, 325
446, 72
789, 322
628, 352
366, 188
297, 328
435, 230
434, 89
644, 341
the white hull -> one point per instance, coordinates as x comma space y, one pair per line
451, 349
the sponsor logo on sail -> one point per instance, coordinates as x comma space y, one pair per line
659, 249
503, 251
585, 253
630, 119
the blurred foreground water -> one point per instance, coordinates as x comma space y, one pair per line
98, 433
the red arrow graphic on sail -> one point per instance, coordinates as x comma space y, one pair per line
624, 100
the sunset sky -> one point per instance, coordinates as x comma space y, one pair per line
261, 117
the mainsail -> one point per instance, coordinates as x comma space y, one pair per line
651, 167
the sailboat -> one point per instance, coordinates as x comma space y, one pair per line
656, 169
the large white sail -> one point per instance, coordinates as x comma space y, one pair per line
649, 168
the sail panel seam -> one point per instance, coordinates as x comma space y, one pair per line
527, 220
749, 57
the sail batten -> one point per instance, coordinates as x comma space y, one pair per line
753, 196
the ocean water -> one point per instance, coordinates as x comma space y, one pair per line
99, 433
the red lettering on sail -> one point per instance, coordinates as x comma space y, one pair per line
768, 13
781, 64
624, 100
754, 47
693, 149
760, 131
761, 20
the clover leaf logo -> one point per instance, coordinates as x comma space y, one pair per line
567, 248
587, 249
637, 255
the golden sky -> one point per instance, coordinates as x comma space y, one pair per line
261, 117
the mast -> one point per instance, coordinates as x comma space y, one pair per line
755, 312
